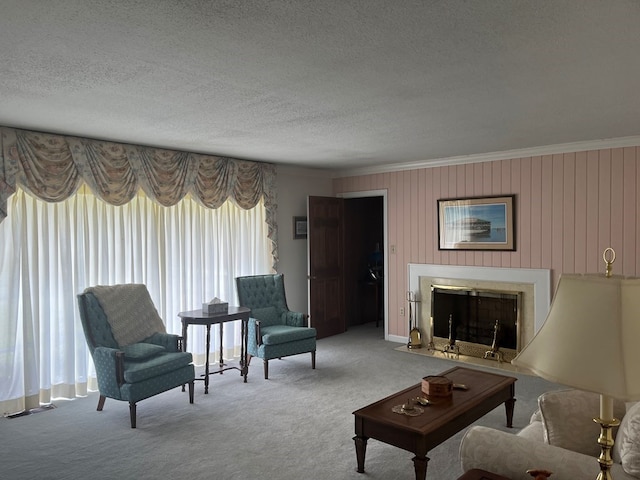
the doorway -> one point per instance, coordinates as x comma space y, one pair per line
365, 260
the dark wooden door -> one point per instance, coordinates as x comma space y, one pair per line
326, 259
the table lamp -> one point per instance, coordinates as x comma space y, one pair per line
589, 341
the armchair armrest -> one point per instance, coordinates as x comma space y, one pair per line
294, 319
110, 362
258, 333
511, 456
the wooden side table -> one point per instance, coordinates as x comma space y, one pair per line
198, 317
477, 474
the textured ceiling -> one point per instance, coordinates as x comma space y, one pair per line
324, 83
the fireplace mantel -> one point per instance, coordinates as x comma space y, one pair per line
539, 279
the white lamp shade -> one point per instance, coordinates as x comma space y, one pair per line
591, 337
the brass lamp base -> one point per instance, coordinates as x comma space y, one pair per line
605, 440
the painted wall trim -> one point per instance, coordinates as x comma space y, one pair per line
379, 193
620, 142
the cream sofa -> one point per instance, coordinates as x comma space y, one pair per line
561, 437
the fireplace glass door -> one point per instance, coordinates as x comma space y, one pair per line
475, 320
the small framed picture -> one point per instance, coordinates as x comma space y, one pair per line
483, 223
299, 227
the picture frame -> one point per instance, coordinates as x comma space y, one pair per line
299, 228
476, 223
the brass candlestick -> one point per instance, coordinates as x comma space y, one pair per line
605, 440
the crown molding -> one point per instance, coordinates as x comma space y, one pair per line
601, 144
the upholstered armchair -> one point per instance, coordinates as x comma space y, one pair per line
134, 356
274, 330
561, 437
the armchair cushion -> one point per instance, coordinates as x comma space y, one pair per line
141, 351
161, 364
626, 449
567, 417
277, 334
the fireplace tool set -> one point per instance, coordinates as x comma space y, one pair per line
452, 347
415, 338
495, 352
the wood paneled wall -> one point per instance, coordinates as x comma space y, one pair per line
569, 207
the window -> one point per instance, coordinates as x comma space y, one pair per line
49, 252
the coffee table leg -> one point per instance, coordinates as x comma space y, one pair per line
420, 466
361, 449
509, 406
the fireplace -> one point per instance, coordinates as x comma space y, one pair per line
531, 286
476, 322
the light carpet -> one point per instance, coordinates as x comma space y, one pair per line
296, 425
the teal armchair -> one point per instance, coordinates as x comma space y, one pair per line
133, 355
274, 330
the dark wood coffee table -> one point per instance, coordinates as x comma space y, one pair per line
439, 421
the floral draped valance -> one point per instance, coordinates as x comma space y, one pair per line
53, 167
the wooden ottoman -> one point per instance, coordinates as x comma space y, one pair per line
477, 474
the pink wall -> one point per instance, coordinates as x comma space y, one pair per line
569, 208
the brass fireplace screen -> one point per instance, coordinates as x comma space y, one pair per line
480, 323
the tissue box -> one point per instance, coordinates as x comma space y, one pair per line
215, 307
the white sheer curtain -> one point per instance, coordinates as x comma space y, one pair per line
50, 252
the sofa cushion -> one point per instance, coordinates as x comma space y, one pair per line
141, 351
567, 417
626, 449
